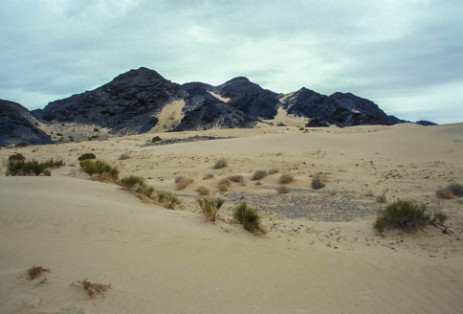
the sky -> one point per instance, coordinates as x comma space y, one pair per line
405, 55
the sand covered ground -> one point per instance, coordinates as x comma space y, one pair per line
320, 253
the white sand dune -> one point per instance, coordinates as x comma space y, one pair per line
164, 261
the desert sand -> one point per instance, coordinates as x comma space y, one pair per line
320, 253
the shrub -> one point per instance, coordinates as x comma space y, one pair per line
273, 171
450, 191
169, 200
182, 182
439, 218
133, 181
202, 191
36, 271
285, 179
208, 176
318, 182
282, 189
156, 139
30, 168
224, 184
101, 168
17, 157
248, 217
124, 156
221, 163
51, 163
258, 175
402, 214
87, 156
210, 207
92, 288
237, 179
381, 198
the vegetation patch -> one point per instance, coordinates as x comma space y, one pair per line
237, 179
221, 163
259, 175
318, 181
210, 207
36, 271
93, 288
452, 190
131, 182
100, 168
182, 182
203, 191
285, 179
31, 168
223, 184
248, 217
282, 189
273, 171
406, 215
156, 139
86, 156
17, 157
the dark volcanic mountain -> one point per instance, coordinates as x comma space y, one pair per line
17, 125
126, 105
133, 101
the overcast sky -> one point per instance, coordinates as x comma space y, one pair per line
405, 55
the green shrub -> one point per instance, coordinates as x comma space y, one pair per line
450, 191
101, 168
169, 200
439, 218
402, 214
17, 157
87, 156
51, 163
248, 217
132, 181
258, 175
31, 168
156, 139
210, 207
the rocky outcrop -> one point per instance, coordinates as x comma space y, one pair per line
341, 109
17, 125
126, 105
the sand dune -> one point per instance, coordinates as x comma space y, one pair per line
320, 254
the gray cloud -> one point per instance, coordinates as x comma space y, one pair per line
393, 52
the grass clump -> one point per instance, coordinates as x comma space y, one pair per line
100, 168
124, 156
221, 163
210, 207
36, 271
381, 199
273, 171
285, 179
131, 182
406, 215
452, 190
318, 181
182, 182
208, 176
258, 175
248, 217
156, 139
86, 156
31, 168
282, 189
92, 288
203, 191
169, 200
223, 184
16, 157
237, 179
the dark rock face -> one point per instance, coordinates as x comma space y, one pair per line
17, 125
425, 123
341, 109
126, 105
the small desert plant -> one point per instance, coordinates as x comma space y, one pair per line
285, 179
36, 271
52, 163
248, 217
402, 214
87, 156
439, 218
30, 168
182, 182
450, 191
169, 200
210, 207
259, 175
17, 157
156, 139
273, 171
318, 181
282, 189
224, 184
202, 191
101, 168
132, 181
92, 288
208, 176
124, 156
237, 179
221, 163
381, 199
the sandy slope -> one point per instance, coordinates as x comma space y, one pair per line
320, 254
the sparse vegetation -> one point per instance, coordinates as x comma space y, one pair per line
273, 171
208, 176
318, 181
407, 215
224, 184
17, 157
221, 163
381, 199
203, 191
182, 182
131, 182
36, 271
100, 168
285, 179
210, 207
156, 139
87, 156
92, 288
248, 217
237, 179
31, 168
282, 189
124, 156
259, 175
452, 190
169, 200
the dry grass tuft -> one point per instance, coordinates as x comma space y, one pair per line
223, 185
452, 190
36, 271
124, 156
182, 182
208, 176
237, 179
203, 191
259, 175
221, 163
273, 171
285, 179
92, 288
282, 189
210, 207
319, 181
